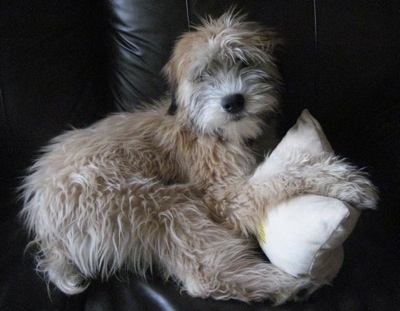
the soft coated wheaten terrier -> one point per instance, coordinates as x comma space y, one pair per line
175, 184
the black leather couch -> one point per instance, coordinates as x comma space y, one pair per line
67, 63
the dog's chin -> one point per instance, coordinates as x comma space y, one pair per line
234, 127
236, 117
240, 128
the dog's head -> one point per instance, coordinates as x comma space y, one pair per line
223, 77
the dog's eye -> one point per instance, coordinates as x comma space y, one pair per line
202, 76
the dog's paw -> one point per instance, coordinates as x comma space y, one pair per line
303, 289
334, 177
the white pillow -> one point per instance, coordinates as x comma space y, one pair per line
304, 235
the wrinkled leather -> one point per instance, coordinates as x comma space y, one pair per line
68, 63
141, 36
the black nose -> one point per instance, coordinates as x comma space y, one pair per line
233, 103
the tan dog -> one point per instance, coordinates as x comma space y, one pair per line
175, 184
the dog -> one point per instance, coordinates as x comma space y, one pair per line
175, 184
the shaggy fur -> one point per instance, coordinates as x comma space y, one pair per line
175, 184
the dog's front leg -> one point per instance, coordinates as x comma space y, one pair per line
242, 203
323, 174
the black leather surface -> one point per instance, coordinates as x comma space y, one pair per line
69, 62
53, 75
141, 37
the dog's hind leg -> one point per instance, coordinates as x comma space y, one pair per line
212, 261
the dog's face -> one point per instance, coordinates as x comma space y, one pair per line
224, 79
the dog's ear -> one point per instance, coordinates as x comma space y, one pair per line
174, 105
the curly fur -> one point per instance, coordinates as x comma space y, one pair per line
175, 184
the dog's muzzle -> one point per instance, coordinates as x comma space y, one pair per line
233, 103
